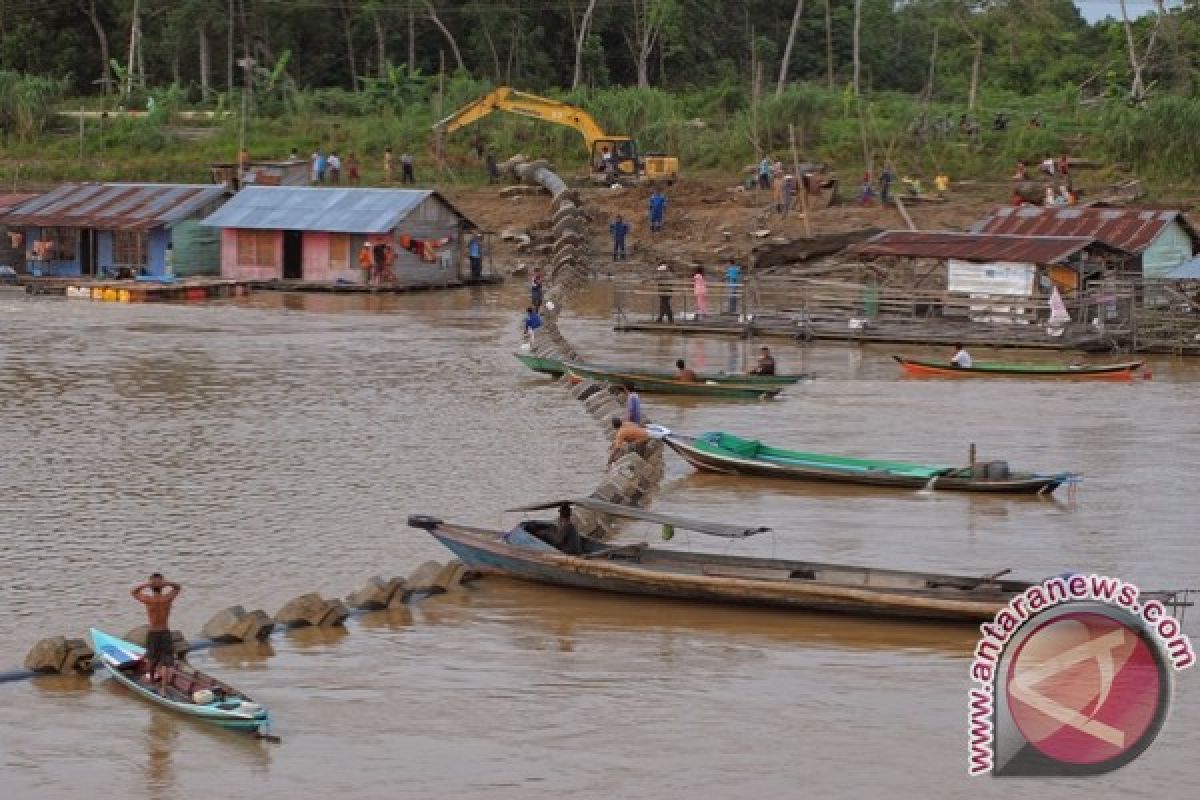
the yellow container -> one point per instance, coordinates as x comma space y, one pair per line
110, 295
123, 296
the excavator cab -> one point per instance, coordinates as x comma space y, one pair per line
615, 158
628, 164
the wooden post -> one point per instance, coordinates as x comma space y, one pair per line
904, 212
801, 184
81, 134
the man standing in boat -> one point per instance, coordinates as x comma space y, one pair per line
157, 595
962, 359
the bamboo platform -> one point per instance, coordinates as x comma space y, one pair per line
185, 290
1111, 316
399, 287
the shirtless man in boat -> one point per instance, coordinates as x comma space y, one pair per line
157, 595
685, 373
627, 433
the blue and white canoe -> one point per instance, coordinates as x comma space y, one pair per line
189, 691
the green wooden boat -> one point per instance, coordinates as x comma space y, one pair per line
724, 452
556, 369
652, 384
543, 364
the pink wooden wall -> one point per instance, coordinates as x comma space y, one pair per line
316, 260
245, 272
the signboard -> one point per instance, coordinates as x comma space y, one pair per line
993, 279
1008, 278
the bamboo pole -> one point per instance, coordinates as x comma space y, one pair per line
801, 184
904, 213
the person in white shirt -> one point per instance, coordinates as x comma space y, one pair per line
962, 359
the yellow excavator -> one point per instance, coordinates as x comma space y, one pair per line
610, 157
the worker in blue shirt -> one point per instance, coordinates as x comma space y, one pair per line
530, 324
619, 229
475, 252
733, 277
658, 210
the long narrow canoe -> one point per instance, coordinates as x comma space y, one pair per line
658, 385
996, 369
189, 691
724, 452
555, 368
523, 553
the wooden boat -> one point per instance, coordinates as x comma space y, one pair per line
651, 384
543, 364
742, 580
996, 369
724, 452
556, 369
189, 691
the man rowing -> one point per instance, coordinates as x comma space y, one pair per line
157, 595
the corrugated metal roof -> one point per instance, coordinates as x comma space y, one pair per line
115, 206
975, 246
314, 208
1131, 229
11, 201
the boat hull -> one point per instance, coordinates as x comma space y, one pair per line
556, 368
486, 551
731, 464
112, 652
652, 385
541, 364
1109, 372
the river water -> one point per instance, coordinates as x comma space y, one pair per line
270, 446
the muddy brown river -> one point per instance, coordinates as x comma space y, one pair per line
271, 446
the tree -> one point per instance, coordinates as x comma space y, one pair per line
1137, 91
88, 7
648, 17
787, 50
581, 38
431, 10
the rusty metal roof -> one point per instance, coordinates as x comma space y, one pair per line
314, 208
1130, 229
11, 201
115, 206
976, 246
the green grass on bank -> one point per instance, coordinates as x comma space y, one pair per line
713, 131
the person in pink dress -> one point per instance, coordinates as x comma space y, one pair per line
700, 290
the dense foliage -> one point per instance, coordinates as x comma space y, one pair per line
714, 81
1025, 45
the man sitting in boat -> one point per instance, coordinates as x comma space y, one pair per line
627, 433
157, 595
568, 540
685, 373
962, 359
766, 363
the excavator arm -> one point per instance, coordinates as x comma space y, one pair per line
527, 105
